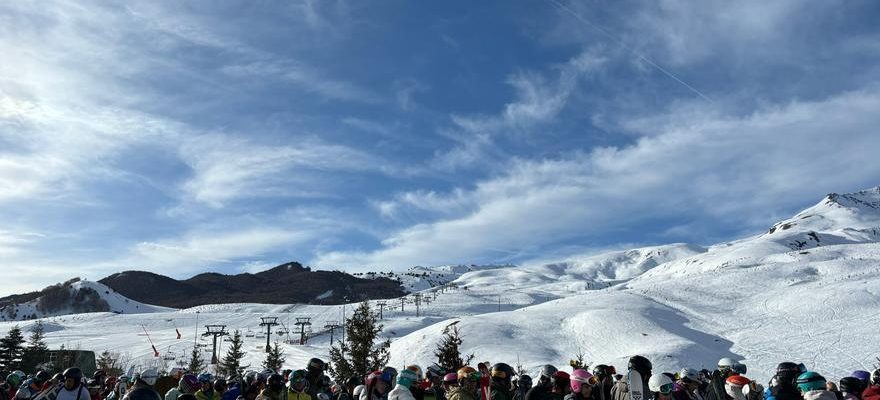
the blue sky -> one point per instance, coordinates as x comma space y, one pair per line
183, 137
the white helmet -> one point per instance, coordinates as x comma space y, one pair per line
689, 374
726, 363
149, 376
658, 382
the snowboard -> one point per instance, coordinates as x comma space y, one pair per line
636, 386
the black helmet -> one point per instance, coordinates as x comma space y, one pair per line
641, 365
502, 371
787, 373
59, 377
186, 396
851, 384
220, 385
524, 382
547, 371
353, 381
143, 393
73, 373
275, 382
602, 371
41, 376
315, 364
99, 374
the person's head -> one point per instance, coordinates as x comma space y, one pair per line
275, 383
546, 376
189, 383
468, 378
298, 381
15, 378
206, 382
418, 371
186, 396
524, 382
220, 385
315, 367
149, 376
502, 373
450, 380
734, 385
99, 376
406, 378
863, 376
725, 365
787, 373
434, 373
40, 378
582, 383
561, 382
352, 383
809, 381
604, 374
660, 386
690, 378
378, 382
177, 373
389, 374
72, 378
641, 365
852, 385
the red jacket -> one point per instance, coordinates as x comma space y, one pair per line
871, 393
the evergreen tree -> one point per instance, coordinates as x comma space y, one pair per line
12, 349
196, 363
363, 350
37, 351
230, 365
448, 351
109, 363
274, 358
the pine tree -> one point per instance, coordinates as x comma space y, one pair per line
109, 363
448, 351
274, 358
362, 351
230, 365
37, 351
196, 363
12, 349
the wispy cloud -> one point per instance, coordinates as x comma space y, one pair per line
724, 171
304, 77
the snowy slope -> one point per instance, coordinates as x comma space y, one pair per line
806, 292
117, 303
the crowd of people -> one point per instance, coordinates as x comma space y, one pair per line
791, 381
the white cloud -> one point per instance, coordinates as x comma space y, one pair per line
304, 77
724, 171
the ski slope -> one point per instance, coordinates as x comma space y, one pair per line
805, 290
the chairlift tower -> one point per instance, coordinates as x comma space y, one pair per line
215, 331
381, 305
302, 322
268, 322
332, 326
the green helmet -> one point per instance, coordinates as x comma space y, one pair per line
809, 381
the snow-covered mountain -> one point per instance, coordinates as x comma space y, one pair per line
807, 290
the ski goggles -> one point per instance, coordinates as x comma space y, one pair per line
667, 388
499, 374
474, 376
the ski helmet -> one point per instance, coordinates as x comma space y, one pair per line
220, 385
579, 377
688, 375
561, 379
41, 377
450, 378
810, 381
296, 378
434, 371
205, 377
406, 378
275, 382
602, 371
503, 372
73, 373
468, 373
547, 371
740, 368
524, 382
149, 376
316, 364
863, 376
660, 383
726, 364
418, 370
640, 364
13, 380
851, 384
189, 383
187, 396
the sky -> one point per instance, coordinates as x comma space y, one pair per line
185, 137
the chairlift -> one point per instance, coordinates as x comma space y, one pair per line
249, 333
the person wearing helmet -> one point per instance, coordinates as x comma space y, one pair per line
377, 385
688, 385
188, 383
406, 379
501, 387
561, 383
391, 373
637, 363
346, 391
522, 387
851, 388
32, 386
544, 386
733, 386
863, 376
298, 386
581, 383
604, 376
783, 385
142, 389
314, 374
206, 392
434, 390
12, 383
419, 385
467, 385
450, 381
274, 389
73, 388
660, 386
813, 387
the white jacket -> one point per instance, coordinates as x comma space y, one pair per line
400, 392
80, 393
